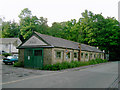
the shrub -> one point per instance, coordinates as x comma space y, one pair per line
76, 63
72, 64
92, 62
6, 54
65, 65
98, 60
18, 64
104, 60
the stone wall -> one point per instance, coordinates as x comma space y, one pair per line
21, 55
47, 56
91, 55
63, 55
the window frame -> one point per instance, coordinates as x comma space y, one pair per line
94, 55
86, 56
91, 55
68, 54
57, 56
76, 54
37, 52
82, 54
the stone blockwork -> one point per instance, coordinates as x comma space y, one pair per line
47, 56
63, 55
90, 55
21, 55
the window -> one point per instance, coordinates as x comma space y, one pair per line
99, 55
58, 54
68, 54
94, 55
91, 55
38, 53
81, 55
29, 52
86, 55
75, 54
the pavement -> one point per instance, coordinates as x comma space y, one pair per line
94, 76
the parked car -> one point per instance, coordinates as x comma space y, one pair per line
11, 59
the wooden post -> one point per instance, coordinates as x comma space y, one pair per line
79, 53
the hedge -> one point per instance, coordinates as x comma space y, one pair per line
72, 64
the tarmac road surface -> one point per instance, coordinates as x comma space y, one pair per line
100, 76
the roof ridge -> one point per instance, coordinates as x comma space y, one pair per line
90, 46
60, 42
57, 37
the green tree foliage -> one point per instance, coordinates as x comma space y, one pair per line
92, 29
57, 30
41, 26
30, 23
10, 29
26, 25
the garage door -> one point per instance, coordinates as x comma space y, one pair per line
33, 58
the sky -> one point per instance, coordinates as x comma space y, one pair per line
58, 10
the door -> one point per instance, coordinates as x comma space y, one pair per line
38, 58
33, 58
28, 58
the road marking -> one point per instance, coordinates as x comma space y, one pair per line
31, 78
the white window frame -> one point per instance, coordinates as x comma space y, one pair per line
76, 54
56, 54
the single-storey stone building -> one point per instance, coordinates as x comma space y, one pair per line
40, 49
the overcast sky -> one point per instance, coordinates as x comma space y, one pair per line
58, 10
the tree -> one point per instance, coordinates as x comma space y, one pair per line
25, 13
10, 29
42, 26
30, 23
101, 32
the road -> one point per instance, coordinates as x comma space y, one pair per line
0, 72
100, 76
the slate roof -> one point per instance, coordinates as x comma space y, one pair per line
59, 42
8, 40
